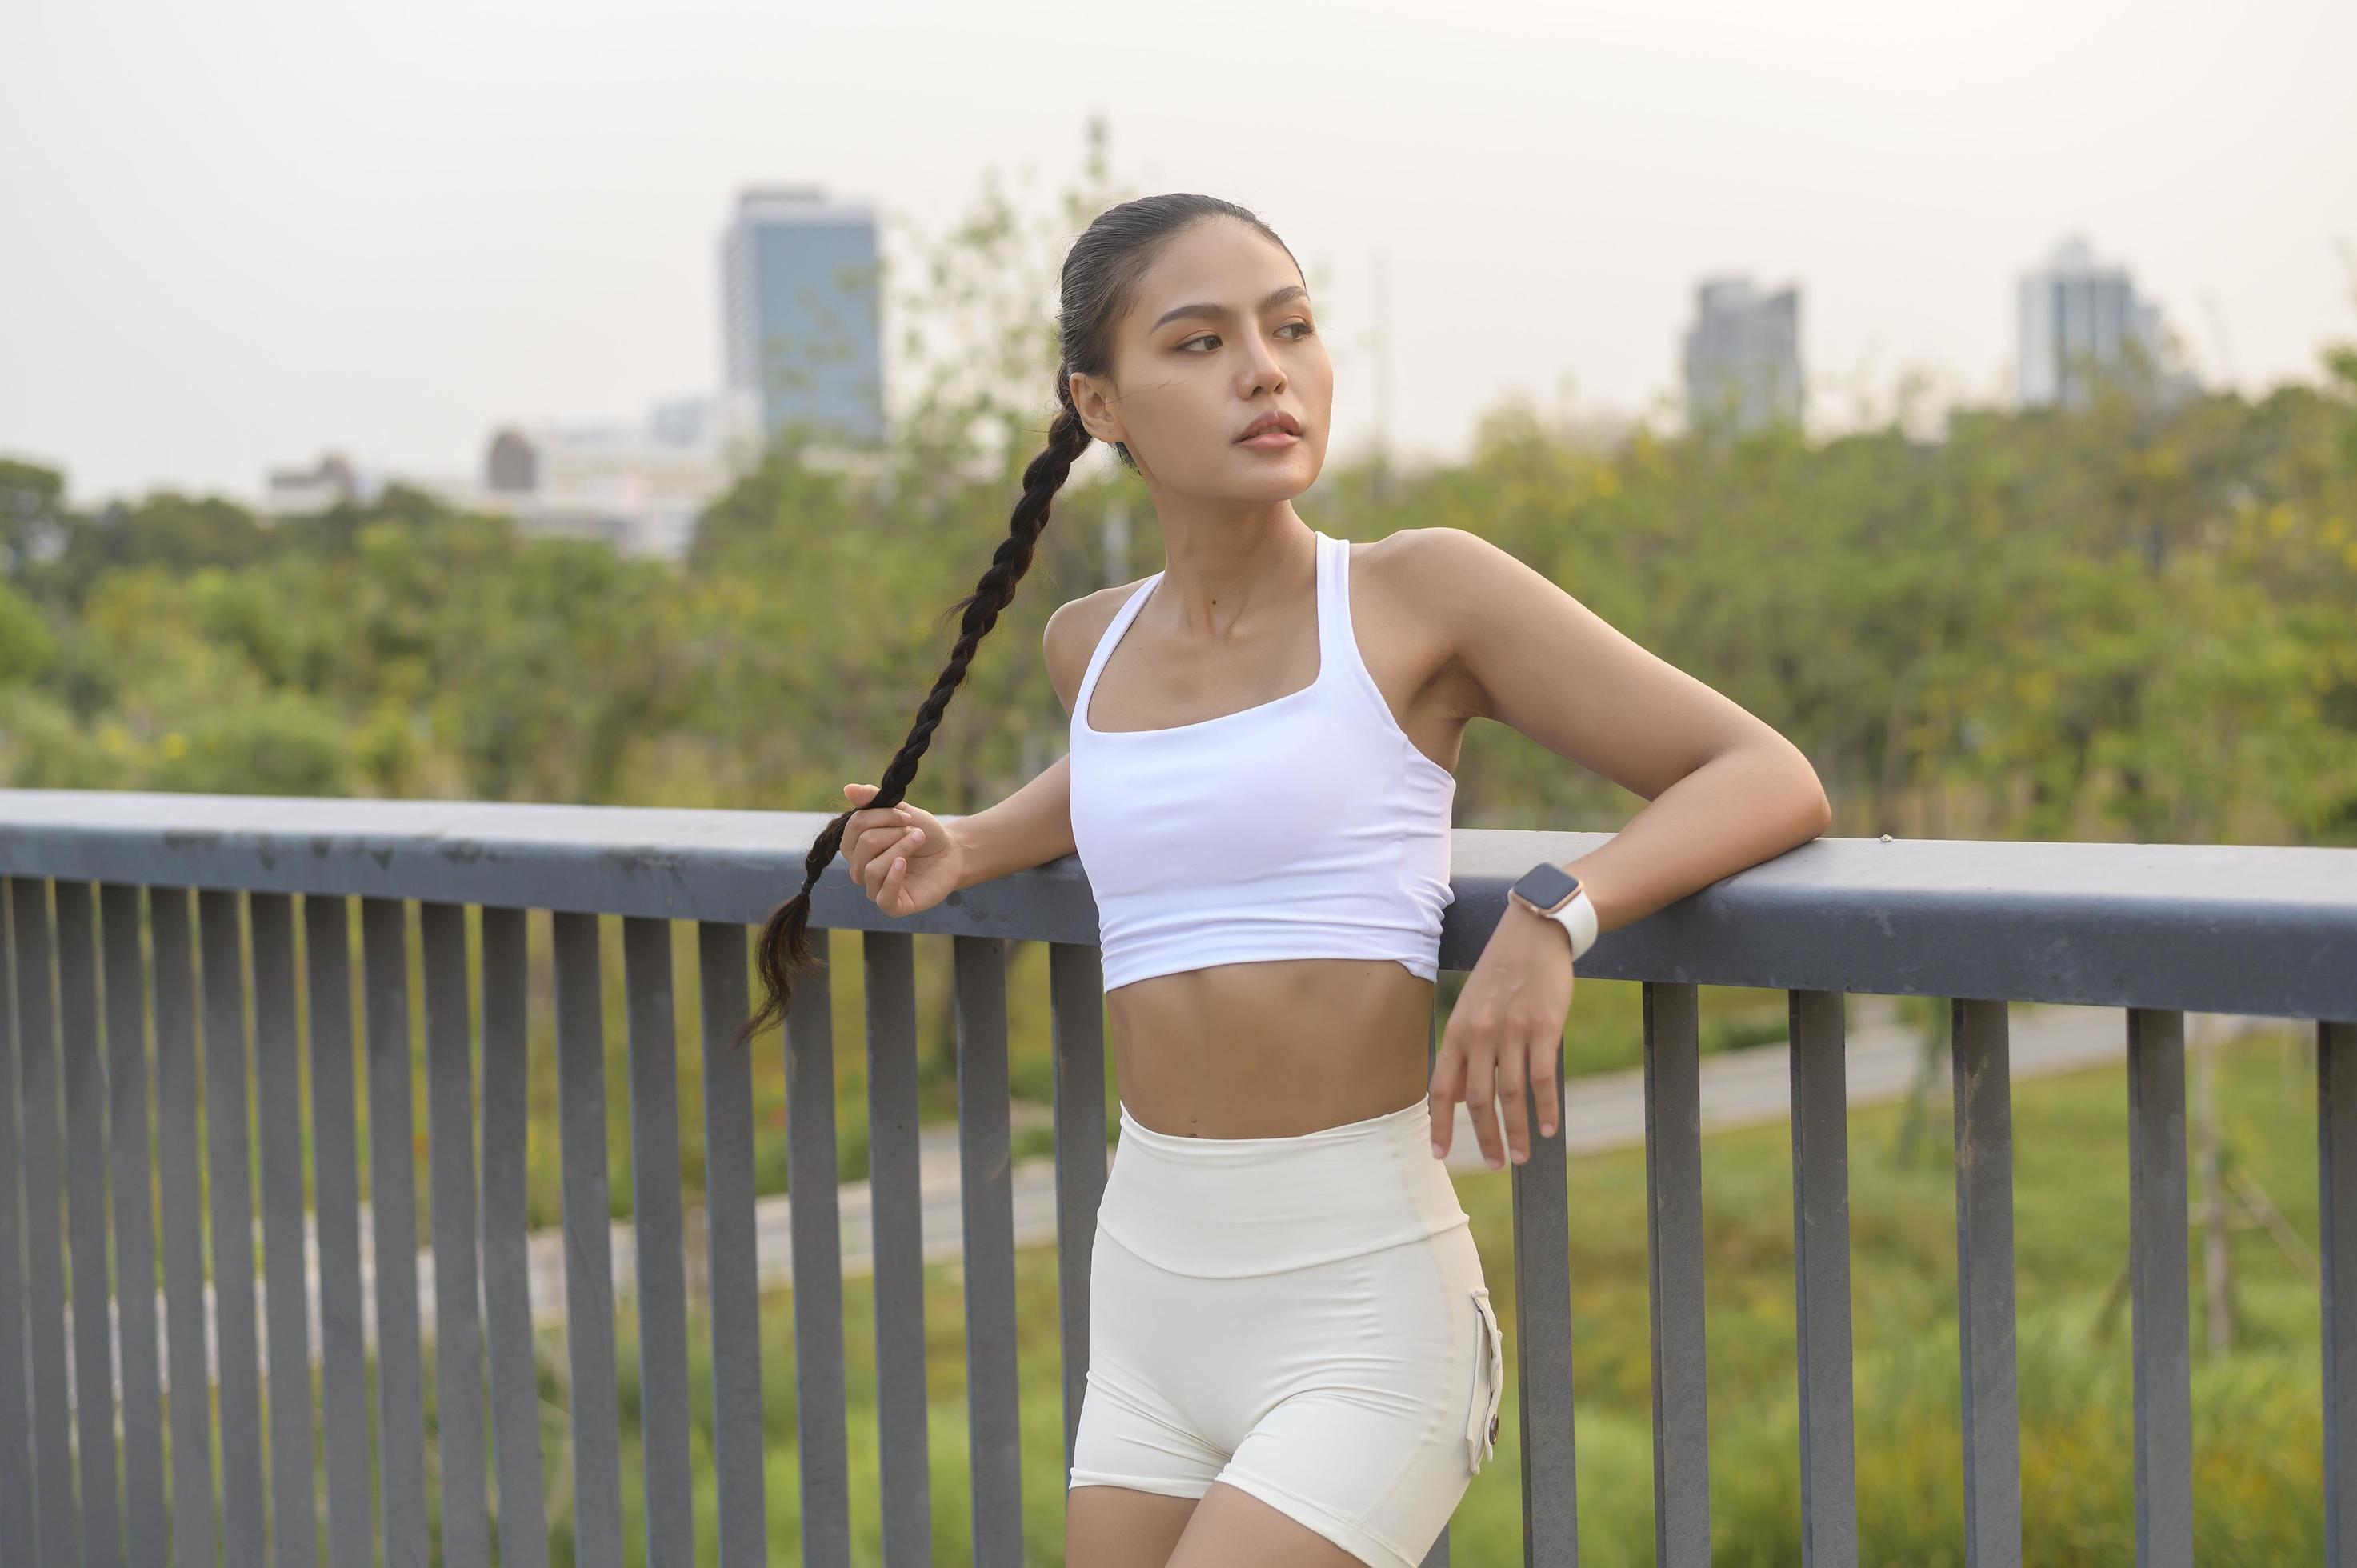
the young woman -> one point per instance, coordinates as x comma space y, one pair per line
1293, 1358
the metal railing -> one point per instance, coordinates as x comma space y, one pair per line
124, 907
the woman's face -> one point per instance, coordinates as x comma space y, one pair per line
1217, 334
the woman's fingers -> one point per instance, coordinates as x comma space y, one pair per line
1448, 1089
880, 864
1481, 1101
896, 886
1546, 1089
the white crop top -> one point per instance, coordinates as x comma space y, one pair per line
1309, 826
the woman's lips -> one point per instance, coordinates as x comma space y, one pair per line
1271, 440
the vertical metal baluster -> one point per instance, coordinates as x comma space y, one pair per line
988, 1202
37, 1060
1437, 1556
1076, 1031
84, 1065
1673, 1242
588, 1243
16, 1505
896, 1216
2157, 1260
237, 1352
2336, 1177
732, 1241
146, 1521
1820, 1278
657, 1219
278, 1104
507, 1265
181, 1216
392, 1214
1541, 1342
335, 1179
813, 1196
1981, 1075
450, 1156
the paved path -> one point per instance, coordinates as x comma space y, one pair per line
1740, 1087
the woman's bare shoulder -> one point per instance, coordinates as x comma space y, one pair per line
1072, 632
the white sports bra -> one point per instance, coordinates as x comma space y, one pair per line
1309, 826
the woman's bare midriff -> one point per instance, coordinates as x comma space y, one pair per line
1271, 1049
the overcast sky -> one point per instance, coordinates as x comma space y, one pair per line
234, 235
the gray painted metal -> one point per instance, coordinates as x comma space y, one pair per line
1821, 1280
237, 1352
181, 1217
1076, 1036
588, 1248
393, 1210
2107, 924
450, 1157
988, 1207
507, 1274
1982, 1088
278, 1110
1541, 1347
84, 1064
731, 1236
660, 1242
145, 1521
335, 1180
2223, 928
16, 1505
2336, 1176
1436, 1554
1674, 1244
37, 1089
895, 1212
2158, 1301
817, 1227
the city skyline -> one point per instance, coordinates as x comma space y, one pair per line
395, 290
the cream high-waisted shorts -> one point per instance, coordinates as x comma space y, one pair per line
1301, 1317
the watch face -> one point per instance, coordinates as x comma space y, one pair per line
1546, 886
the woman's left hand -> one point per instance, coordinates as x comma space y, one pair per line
1504, 1036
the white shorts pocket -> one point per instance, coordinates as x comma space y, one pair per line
1489, 1382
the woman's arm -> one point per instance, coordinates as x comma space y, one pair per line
1725, 791
1030, 827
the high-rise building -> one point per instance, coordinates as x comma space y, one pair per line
802, 323
2075, 320
1743, 356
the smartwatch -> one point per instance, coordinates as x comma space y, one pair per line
1548, 889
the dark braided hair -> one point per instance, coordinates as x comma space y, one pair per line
1100, 272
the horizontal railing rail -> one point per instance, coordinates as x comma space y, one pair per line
182, 914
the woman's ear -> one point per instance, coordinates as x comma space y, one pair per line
1092, 399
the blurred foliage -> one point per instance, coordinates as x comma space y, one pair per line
2128, 620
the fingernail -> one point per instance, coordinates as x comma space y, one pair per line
1435, 1151
1547, 1128
1520, 1155
1493, 1161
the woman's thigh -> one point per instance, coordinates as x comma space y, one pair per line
1117, 1527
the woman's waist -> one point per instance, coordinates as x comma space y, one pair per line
1210, 1206
1273, 1047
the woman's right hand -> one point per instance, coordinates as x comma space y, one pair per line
906, 857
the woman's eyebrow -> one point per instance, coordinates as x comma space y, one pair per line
1219, 312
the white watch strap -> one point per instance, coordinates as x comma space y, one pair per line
1577, 915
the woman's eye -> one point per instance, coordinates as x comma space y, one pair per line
1214, 337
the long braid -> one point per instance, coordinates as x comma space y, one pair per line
785, 940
